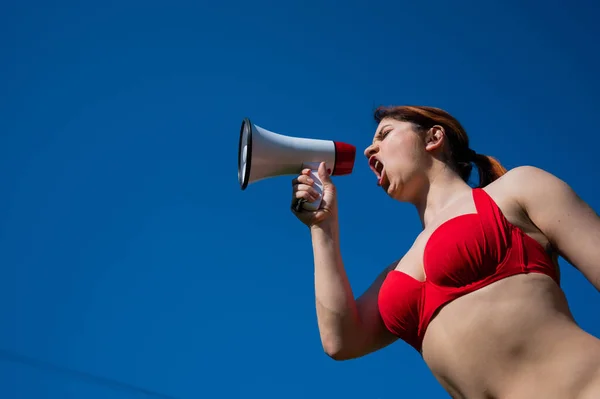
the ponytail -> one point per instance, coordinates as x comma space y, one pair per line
488, 167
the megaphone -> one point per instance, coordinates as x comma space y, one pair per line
263, 154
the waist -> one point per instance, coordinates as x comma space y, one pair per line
513, 335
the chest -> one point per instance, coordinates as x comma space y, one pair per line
465, 237
459, 250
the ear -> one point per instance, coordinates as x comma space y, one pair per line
434, 138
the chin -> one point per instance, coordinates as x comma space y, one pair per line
395, 192
389, 189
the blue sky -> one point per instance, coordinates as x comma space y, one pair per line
128, 251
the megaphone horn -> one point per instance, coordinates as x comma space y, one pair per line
263, 154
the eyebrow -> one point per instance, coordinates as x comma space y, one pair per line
378, 134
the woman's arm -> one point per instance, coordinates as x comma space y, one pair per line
349, 328
570, 224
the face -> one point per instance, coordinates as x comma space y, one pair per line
399, 158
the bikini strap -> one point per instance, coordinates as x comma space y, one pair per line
496, 228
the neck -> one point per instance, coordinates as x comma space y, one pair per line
443, 188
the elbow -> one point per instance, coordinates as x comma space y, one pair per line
336, 351
336, 355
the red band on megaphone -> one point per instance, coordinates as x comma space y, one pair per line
344, 158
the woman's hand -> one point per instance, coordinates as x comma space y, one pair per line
303, 190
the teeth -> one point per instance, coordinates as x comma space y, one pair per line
377, 167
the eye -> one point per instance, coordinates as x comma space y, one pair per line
384, 134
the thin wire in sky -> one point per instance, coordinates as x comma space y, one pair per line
81, 375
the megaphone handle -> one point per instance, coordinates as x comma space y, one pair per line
318, 186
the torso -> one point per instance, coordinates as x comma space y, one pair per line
515, 337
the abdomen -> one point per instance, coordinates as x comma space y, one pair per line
497, 338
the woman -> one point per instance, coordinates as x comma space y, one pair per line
478, 293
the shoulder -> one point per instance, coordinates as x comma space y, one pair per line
526, 174
536, 192
520, 194
529, 185
522, 186
534, 197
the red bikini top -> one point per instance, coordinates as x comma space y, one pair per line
462, 255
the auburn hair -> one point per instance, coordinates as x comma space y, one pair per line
462, 157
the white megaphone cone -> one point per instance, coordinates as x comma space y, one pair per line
263, 154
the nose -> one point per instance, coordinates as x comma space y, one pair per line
370, 150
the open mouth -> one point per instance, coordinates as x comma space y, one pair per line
377, 168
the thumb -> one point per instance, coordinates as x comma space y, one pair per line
323, 174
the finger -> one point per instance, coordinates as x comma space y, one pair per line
302, 180
306, 195
306, 179
324, 173
303, 187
